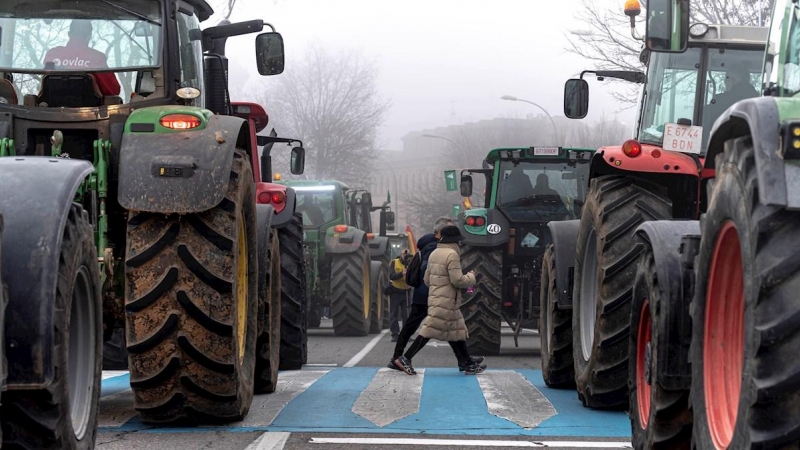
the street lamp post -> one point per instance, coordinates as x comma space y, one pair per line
434, 136
552, 122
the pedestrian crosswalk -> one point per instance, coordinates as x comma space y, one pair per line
382, 400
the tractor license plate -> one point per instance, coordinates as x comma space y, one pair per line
682, 138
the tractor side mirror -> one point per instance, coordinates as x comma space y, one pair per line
298, 160
667, 26
576, 98
366, 199
390, 220
466, 185
269, 53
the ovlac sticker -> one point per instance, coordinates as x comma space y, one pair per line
493, 228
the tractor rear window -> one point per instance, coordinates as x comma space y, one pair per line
541, 190
85, 36
318, 208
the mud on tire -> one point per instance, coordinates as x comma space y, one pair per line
662, 419
294, 323
350, 296
481, 309
607, 256
555, 329
64, 415
191, 308
768, 321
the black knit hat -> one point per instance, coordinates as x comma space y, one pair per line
451, 234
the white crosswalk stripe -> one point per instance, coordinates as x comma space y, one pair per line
116, 410
510, 396
390, 396
290, 384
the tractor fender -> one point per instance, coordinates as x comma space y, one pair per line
264, 214
565, 236
285, 215
347, 242
778, 182
179, 172
612, 159
34, 227
676, 292
480, 236
379, 248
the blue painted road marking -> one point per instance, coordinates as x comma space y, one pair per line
450, 403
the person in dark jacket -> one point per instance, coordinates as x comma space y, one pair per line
419, 300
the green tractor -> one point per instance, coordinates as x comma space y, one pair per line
346, 262
526, 189
132, 207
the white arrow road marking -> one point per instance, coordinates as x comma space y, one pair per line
512, 397
269, 441
390, 396
116, 410
265, 408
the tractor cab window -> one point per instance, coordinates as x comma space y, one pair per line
733, 75
98, 37
191, 54
541, 191
670, 92
317, 208
674, 79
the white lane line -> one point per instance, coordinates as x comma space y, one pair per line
116, 410
470, 443
113, 373
511, 396
265, 408
364, 351
269, 441
390, 396
320, 365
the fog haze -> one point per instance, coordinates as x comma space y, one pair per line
440, 63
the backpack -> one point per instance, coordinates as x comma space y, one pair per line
413, 278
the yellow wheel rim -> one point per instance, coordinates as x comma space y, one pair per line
241, 292
367, 297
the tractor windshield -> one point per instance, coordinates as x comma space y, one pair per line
317, 207
541, 191
674, 80
85, 36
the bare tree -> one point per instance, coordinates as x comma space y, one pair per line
605, 40
330, 100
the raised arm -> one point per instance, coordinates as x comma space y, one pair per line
457, 276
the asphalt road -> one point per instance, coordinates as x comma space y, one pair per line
344, 398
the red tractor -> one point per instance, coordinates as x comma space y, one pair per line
286, 239
588, 277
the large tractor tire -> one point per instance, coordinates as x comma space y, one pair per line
64, 414
660, 416
378, 280
555, 329
607, 256
268, 343
350, 293
481, 309
294, 325
115, 355
191, 308
745, 314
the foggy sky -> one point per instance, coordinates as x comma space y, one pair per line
441, 62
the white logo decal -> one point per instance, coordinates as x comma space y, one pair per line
493, 228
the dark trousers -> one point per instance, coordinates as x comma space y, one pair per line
398, 311
410, 325
459, 349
